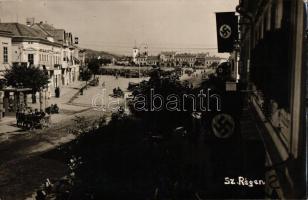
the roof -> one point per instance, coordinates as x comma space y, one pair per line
213, 58
21, 30
168, 53
141, 56
46, 26
49, 31
186, 55
202, 55
6, 33
153, 58
40, 29
58, 34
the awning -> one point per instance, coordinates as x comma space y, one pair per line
12, 89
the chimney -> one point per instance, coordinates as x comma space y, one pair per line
30, 21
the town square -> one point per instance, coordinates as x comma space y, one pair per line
153, 100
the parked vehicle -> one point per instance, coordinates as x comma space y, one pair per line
32, 120
118, 93
52, 109
94, 82
132, 86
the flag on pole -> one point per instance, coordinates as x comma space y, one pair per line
76, 40
226, 24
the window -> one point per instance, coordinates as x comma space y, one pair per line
5, 55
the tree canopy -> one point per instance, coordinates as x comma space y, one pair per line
29, 77
86, 75
163, 84
94, 65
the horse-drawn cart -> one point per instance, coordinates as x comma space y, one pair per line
36, 120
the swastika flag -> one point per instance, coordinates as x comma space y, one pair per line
76, 40
226, 23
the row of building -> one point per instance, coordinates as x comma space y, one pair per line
172, 59
42, 45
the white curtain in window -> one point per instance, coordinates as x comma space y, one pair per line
269, 15
279, 13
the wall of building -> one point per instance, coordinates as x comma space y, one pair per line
5, 42
43, 54
271, 62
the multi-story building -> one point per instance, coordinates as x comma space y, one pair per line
141, 60
42, 45
185, 59
173, 59
200, 59
167, 58
70, 52
211, 59
5, 51
32, 47
152, 60
272, 66
5, 62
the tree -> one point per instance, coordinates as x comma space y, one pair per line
214, 65
163, 84
105, 61
94, 65
29, 77
86, 75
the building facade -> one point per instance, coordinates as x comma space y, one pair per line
152, 60
173, 59
167, 58
5, 51
185, 59
271, 65
44, 46
141, 60
31, 47
70, 52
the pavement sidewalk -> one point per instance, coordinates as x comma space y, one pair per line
67, 92
8, 124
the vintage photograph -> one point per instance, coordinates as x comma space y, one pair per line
153, 99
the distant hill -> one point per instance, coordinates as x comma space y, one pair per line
93, 53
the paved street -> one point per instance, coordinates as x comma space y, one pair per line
101, 95
220, 115
21, 150
20, 154
196, 77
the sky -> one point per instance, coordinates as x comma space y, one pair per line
117, 25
